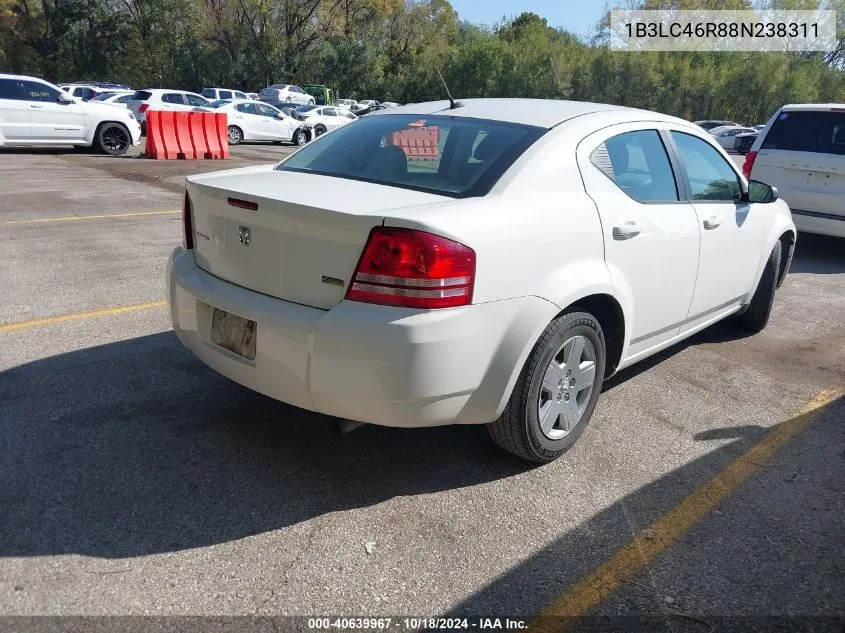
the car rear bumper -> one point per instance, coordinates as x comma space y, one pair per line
820, 223
378, 364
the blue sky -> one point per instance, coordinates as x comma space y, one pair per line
577, 16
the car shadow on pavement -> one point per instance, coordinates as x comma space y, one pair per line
747, 557
136, 448
819, 254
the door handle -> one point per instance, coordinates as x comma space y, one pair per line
626, 231
32, 105
711, 223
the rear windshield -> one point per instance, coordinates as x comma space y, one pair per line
208, 93
142, 95
452, 156
808, 131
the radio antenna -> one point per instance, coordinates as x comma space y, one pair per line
452, 103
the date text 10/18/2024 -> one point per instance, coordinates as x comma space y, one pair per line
442, 624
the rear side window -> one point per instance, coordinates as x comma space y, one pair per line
9, 89
409, 151
637, 162
141, 95
808, 131
710, 176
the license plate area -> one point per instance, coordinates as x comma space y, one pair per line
234, 333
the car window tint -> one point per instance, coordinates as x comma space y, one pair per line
637, 162
247, 108
266, 110
710, 176
172, 97
123, 99
196, 100
329, 112
141, 95
36, 91
225, 94
816, 131
9, 89
240, 95
208, 93
403, 150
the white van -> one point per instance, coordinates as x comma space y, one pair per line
801, 151
219, 94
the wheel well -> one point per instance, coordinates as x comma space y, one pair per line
787, 241
100, 127
608, 313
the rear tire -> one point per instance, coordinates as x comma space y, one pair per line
235, 135
550, 406
112, 139
755, 317
319, 130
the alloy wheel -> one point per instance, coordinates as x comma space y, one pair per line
567, 387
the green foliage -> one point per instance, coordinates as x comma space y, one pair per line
391, 50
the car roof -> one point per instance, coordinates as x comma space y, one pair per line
814, 106
24, 77
545, 113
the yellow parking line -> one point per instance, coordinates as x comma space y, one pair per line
90, 217
641, 551
22, 325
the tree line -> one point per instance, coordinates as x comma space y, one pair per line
391, 50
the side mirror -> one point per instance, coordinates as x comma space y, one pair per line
64, 98
761, 192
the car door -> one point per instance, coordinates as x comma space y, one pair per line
651, 233
195, 101
731, 230
173, 101
52, 120
14, 112
251, 122
278, 126
330, 118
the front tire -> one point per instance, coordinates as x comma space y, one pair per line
556, 392
300, 138
235, 135
755, 317
112, 139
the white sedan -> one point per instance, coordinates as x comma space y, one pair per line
325, 118
726, 136
250, 120
546, 246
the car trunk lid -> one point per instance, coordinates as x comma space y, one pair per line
290, 235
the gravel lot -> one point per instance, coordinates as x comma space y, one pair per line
137, 481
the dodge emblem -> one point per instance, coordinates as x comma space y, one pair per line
243, 234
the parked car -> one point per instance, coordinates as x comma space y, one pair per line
402, 296
255, 121
726, 136
252, 95
115, 98
743, 142
325, 118
712, 123
349, 104
34, 112
285, 93
86, 92
801, 151
162, 99
389, 104
214, 94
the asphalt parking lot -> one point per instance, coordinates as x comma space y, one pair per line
134, 480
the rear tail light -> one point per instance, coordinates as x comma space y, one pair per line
748, 164
413, 269
143, 107
187, 223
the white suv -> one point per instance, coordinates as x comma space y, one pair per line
34, 112
163, 99
801, 151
